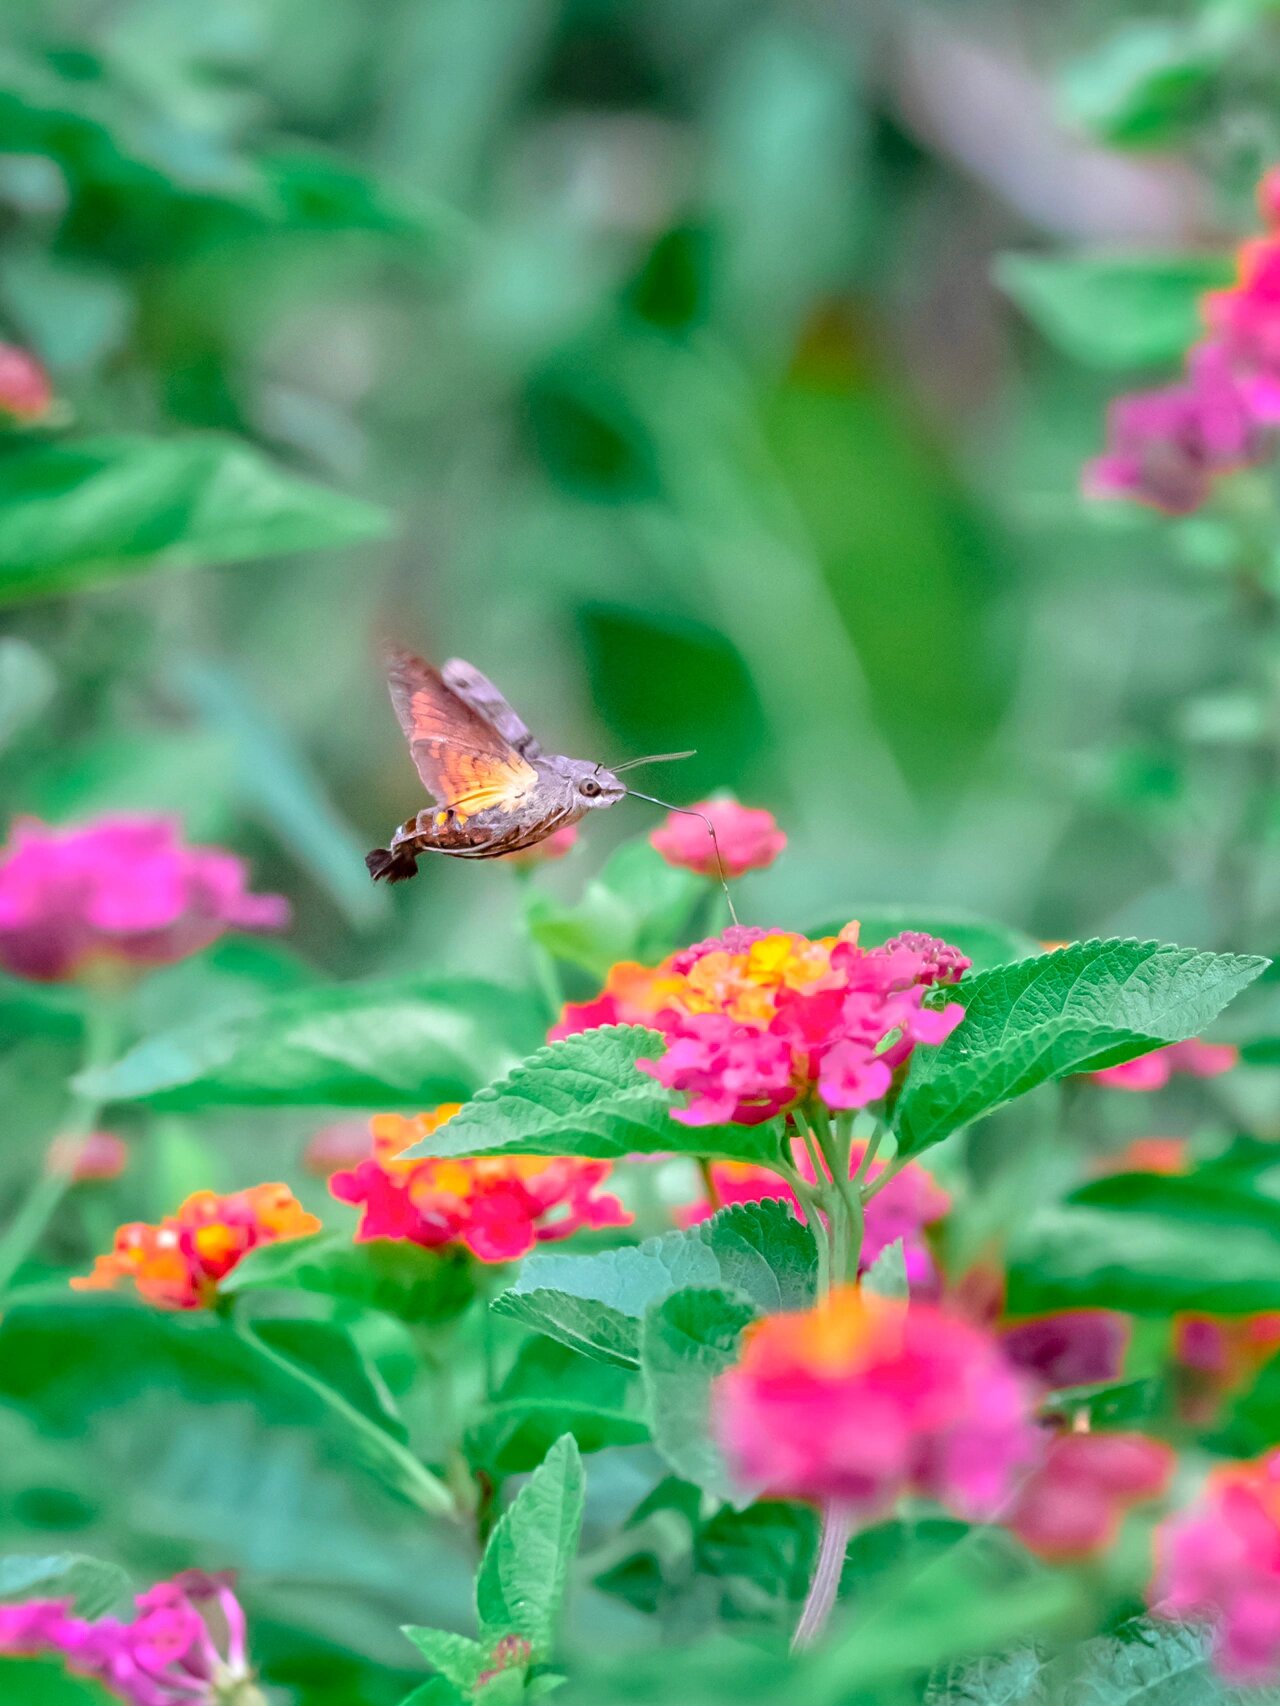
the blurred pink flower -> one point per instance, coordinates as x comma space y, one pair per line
1072, 1505
1078, 1347
553, 846
1153, 1071
1147, 1155
185, 1645
26, 394
862, 1400
749, 840
100, 1155
1220, 1561
902, 1209
342, 1143
123, 892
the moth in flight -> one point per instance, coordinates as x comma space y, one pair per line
494, 789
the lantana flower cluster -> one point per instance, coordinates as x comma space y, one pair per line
1220, 1561
757, 1020
498, 1207
118, 894
747, 838
863, 1399
185, 1645
179, 1263
898, 1212
1168, 447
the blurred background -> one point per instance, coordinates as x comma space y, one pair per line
712, 375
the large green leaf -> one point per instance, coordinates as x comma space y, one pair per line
686, 1340
46, 1682
986, 942
586, 1096
1115, 311
638, 908
94, 1585
421, 1287
80, 514
408, 1043
596, 1303
1146, 1662
1076, 1009
550, 1391
523, 1575
1153, 1244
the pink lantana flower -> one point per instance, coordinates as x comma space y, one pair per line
749, 839
26, 394
1220, 1561
1072, 1505
341, 1143
1153, 1071
185, 1645
900, 1210
496, 1206
862, 1400
122, 893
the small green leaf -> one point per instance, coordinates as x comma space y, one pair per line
97, 510
456, 1657
1152, 1244
586, 1096
551, 1391
887, 1275
686, 1340
1076, 1009
421, 1287
92, 1584
437, 1691
1148, 81
408, 1043
525, 1569
595, 1303
1114, 311
638, 908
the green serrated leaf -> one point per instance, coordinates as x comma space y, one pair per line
586, 1096
456, 1657
686, 1340
415, 1285
1076, 1009
523, 1575
94, 1585
551, 1391
595, 1303
1152, 1244
408, 1043
99, 510
1115, 311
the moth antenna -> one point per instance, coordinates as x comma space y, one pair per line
687, 811
653, 758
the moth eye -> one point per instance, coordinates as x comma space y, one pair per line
589, 787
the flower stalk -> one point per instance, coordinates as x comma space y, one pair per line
837, 1526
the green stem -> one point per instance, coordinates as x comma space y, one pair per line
837, 1525
102, 1029
709, 1186
810, 1202
846, 1202
415, 1480
891, 1171
545, 971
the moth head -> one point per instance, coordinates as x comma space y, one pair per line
592, 784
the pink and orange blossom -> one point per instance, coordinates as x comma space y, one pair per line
1220, 1561
756, 1021
179, 1263
1072, 1505
496, 1206
120, 894
861, 1400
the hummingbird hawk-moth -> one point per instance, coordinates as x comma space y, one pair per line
495, 790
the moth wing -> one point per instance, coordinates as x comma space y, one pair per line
464, 761
478, 691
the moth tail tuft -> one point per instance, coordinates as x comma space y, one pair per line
391, 867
